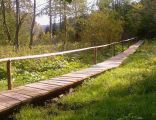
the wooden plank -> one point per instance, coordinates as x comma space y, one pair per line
90, 73
95, 69
83, 76
32, 92
16, 96
2, 108
57, 82
46, 82
68, 78
65, 79
43, 86
8, 102
51, 82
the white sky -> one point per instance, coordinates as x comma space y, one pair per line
44, 20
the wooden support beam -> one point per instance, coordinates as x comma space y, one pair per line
9, 77
95, 55
114, 49
122, 46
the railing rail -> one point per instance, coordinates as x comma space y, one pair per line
60, 53
95, 48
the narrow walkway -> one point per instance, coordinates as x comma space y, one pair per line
35, 91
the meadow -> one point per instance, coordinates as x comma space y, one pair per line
125, 93
30, 71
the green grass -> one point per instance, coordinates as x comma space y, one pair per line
125, 93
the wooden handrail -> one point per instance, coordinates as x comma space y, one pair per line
95, 48
60, 53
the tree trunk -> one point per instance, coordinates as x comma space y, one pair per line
17, 25
50, 20
60, 10
32, 25
55, 16
6, 30
65, 25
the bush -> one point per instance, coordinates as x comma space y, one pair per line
101, 28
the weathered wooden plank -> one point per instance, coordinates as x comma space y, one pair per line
65, 79
52, 82
42, 86
86, 72
16, 96
33, 92
68, 78
8, 102
2, 108
95, 69
77, 75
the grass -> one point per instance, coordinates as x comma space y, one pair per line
30, 71
125, 93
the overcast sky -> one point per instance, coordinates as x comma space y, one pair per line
44, 20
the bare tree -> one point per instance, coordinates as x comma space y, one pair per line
17, 25
60, 14
6, 29
19, 21
50, 19
32, 25
65, 24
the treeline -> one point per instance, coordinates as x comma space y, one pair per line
75, 21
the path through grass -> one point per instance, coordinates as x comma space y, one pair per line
125, 93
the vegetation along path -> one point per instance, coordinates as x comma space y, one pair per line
31, 92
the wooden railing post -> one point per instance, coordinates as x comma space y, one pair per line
136, 40
114, 49
95, 55
129, 42
9, 77
122, 45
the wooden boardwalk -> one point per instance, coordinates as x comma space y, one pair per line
30, 92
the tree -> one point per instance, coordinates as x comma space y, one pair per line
17, 24
22, 9
101, 28
65, 24
32, 25
147, 28
6, 29
50, 19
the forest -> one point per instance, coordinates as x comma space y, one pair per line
76, 24
72, 22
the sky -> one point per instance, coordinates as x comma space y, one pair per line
44, 20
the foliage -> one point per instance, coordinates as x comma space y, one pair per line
147, 27
133, 15
101, 28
